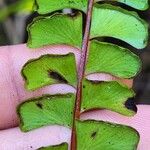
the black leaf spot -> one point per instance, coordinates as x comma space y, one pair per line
39, 105
130, 104
93, 135
57, 76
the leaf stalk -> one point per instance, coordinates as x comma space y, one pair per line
81, 72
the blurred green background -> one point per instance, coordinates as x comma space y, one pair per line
16, 14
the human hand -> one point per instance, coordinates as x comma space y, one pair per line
12, 92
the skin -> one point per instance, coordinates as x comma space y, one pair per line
12, 93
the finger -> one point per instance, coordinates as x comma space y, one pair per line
14, 139
12, 59
108, 77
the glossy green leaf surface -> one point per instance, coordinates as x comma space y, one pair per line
63, 146
48, 6
107, 95
112, 59
112, 21
46, 110
50, 69
56, 29
98, 135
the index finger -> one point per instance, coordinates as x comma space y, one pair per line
12, 59
53, 135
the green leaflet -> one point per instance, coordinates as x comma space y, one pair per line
107, 95
56, 29
46, 110
99, 135
112, 21
48, 6
50, 69
63, 146
112, 59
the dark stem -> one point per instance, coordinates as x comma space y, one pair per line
81, 71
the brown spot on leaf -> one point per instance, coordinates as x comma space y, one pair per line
39, 105
93, 135
57, 76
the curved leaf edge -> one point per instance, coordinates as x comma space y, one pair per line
139, 69
127, 12
41, 18
62, 146
35, 59
112, 124
18, 110
128, 103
